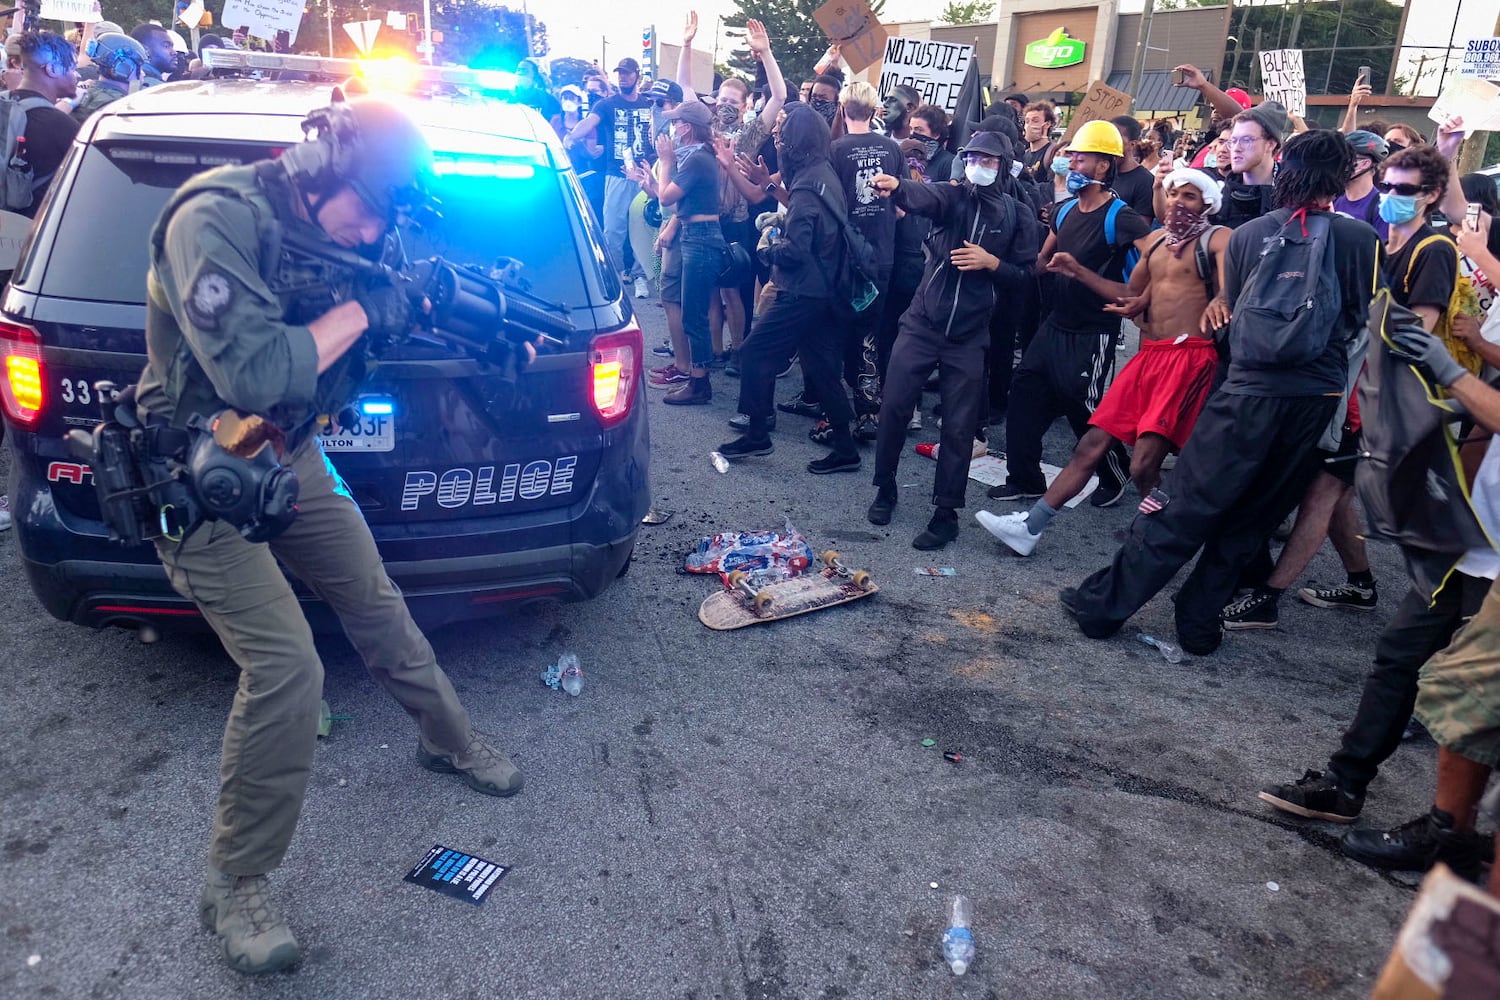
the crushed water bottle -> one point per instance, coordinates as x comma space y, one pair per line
1170, 651
566, 674
958, 939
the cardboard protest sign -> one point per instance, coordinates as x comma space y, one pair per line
86, 11
1283, 80
1481, 59
858, 32
1101, 101
1477, 102
934, 69
264, 17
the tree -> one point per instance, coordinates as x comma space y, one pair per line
568, 70
973, 12
797, 40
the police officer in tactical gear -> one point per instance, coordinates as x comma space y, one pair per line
120, 59
230, 325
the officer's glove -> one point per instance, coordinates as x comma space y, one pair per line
1427, 354
388, 308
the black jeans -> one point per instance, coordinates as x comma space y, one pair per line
1061, 375
807, 326
960, 365
1245, 467
1409, 640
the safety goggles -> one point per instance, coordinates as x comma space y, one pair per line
1405, 190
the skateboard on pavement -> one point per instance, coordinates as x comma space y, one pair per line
741, 604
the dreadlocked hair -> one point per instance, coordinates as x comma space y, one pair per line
1315, 167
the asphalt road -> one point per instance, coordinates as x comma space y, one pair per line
746, 814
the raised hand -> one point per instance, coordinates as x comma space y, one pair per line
756, 37
690, 29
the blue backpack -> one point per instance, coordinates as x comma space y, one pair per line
1132, 256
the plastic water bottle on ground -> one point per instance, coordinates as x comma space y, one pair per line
566, 674
1170, 651
958, 939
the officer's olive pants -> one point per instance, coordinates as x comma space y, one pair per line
272, 729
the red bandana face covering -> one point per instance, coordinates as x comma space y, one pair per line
1184, 226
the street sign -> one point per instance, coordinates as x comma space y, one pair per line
363, 33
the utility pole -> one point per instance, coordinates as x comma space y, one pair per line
1142, 39
328, 10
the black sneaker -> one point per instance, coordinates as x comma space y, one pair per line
834, 462
790, 365
885, 504
867, 427
663, 350
1346, 595
822, 433
741, 422
745, 447
1418, 844
800, 406
1008, 491
1256, 609
1315, 795
1109, 491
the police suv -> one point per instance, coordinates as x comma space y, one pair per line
473, 503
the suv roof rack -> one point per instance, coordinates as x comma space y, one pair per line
381, 74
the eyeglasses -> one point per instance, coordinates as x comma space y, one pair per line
1405, 190
1245, 140
658, 104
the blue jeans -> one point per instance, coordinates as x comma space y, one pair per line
702, 260
618, 194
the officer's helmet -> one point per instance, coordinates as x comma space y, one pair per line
118, 56
368, 144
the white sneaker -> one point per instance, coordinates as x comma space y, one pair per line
916, 420
1010, 529
642, 288
4, 512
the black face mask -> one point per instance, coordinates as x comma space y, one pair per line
1395, 147
931, 145
824, 107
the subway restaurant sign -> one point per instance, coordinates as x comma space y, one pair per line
1055, 51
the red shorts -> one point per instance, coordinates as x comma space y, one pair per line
1161, 391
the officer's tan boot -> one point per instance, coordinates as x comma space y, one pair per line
255, 936
485, 769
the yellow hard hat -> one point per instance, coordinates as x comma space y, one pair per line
1097, 136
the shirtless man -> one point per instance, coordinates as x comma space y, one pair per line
1156, 398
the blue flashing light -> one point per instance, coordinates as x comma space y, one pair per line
494, 79
484, 168
377, 407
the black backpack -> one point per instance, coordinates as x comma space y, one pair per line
852, 281
1290, 303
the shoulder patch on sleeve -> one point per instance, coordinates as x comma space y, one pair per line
211, 295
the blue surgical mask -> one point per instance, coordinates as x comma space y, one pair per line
1211, 161
1078, 181
1399, 208
1060, 165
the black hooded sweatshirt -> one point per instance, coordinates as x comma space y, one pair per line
957, 303
805, 257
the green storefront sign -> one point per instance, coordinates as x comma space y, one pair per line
1055, 51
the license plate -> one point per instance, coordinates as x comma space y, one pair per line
368, 432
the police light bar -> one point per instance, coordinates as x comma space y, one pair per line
381, 73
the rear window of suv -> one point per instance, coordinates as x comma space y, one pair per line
511, 217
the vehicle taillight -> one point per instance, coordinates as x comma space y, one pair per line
614, 372
22, 392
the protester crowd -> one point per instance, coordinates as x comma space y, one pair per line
1005, 267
